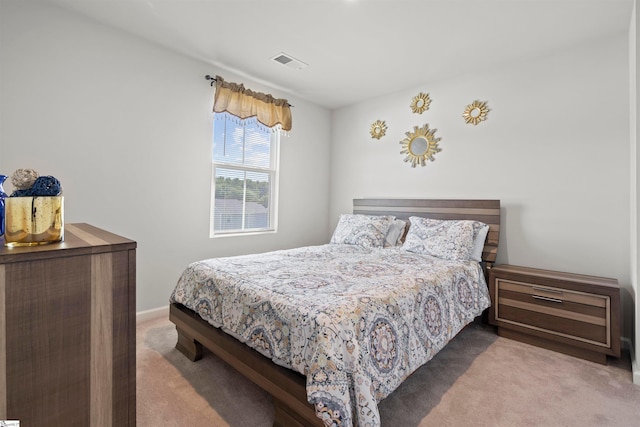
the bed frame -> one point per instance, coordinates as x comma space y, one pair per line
287, 387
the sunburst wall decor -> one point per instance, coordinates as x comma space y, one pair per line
420, 103
378, 129
420, 145
475, 112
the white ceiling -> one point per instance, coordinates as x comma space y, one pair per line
359, 49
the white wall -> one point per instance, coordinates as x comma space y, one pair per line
126, 126
554, 150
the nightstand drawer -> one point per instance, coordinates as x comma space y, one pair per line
562, 312
551, 294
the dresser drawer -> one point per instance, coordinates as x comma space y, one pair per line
577, 315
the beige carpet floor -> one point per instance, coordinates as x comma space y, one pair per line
479, 379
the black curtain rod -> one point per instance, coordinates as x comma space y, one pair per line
213, 80
208, 77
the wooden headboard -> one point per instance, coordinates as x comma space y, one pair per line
487, 211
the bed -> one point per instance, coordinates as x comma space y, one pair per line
341, 325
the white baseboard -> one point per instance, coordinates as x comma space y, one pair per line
152, 314
635, 363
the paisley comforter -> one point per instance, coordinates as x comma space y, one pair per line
355, 321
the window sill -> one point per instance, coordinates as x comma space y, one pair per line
241, 233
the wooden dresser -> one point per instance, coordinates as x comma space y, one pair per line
67, 331
570, 313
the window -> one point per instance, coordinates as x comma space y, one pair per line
245, 176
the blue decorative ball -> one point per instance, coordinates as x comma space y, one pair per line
46, 186
43, 186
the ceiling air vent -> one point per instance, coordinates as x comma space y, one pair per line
289, 61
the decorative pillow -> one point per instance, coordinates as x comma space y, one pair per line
452, 240
362, 230
395, 233
480, 230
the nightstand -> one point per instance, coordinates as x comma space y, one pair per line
571, 313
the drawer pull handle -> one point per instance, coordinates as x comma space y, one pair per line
547, 299
551, 291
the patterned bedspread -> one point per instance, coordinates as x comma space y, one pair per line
356, 321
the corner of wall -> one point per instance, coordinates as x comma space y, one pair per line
627, 344
634, 45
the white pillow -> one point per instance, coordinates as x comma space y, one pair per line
451, 240
395, 233
362, 230
479, 236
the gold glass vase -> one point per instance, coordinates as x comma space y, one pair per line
31, 221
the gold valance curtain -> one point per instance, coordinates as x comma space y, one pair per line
235, 99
